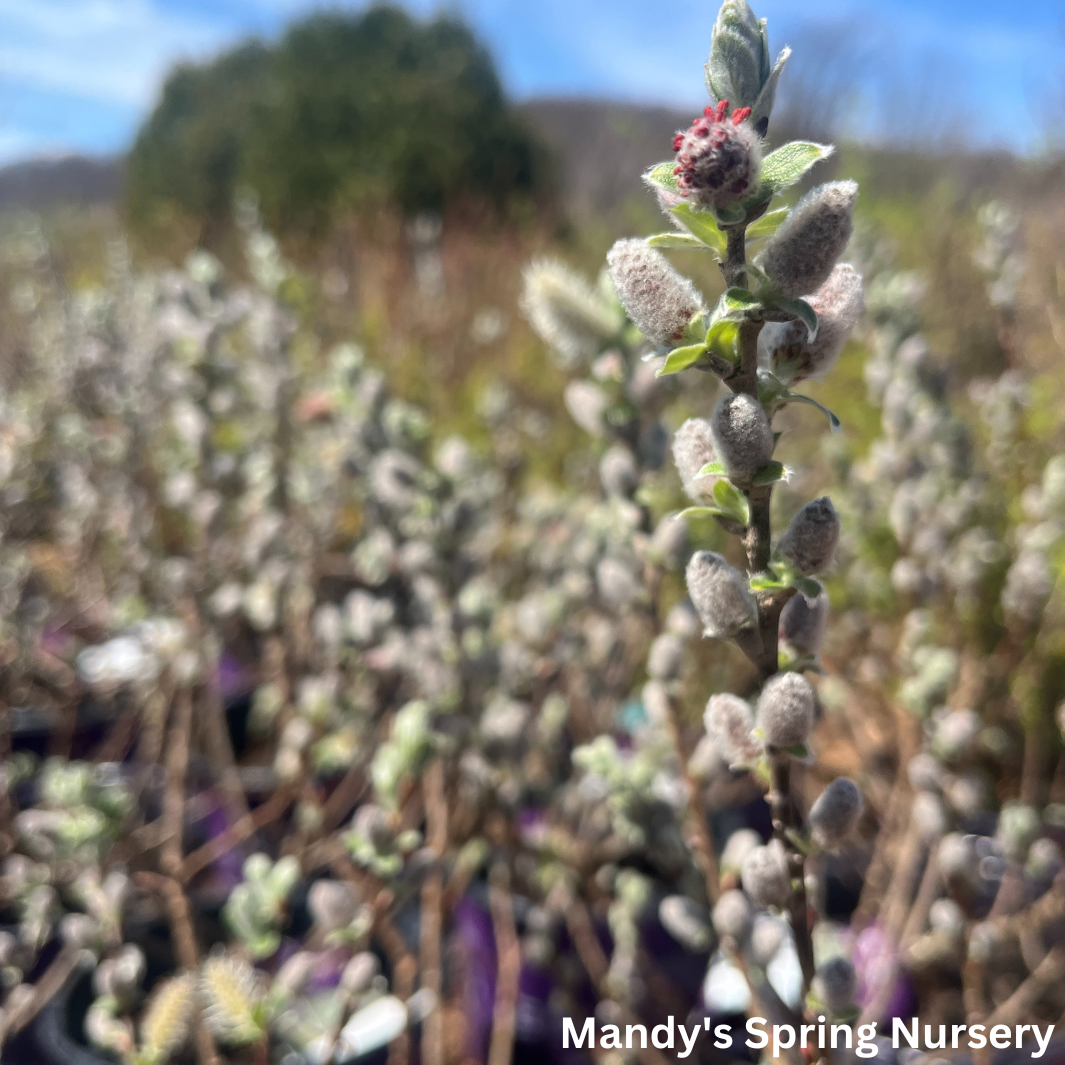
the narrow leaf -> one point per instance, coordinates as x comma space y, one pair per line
770, 474
680, 359
701, 225
797, 397
677, 241
723, 339
802, 310
731, 500
694, 513
784, 167
740, 299
767, 225
661, 174
810, 588
713, 469
766, 582
731, 215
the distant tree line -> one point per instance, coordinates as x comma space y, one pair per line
344, 113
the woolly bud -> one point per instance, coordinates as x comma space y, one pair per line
929, 815
587, 404
666, 657
786, 710
786, 346
732, 916
729, 724
741, 436
767, 937
686, 921
946, 916
737, 847
332, 904
835, 812
835, 984
617, 471
809, 542
957, 856
765, 875
803, 623
720, 595
166, 1021
1029, 583
693, 448
656, 297
718, 158
566, 311
800, 256
739, 68
232, 994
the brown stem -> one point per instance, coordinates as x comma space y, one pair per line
508, 966
699, 840
786, 824
432, 1047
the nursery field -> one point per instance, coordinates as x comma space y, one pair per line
577, 578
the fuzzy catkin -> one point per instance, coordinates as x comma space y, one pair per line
729, 722
810, 540
721, 595
568, 314
618, 473
741, 436
835, 983
786, 348
693, 448
835, 812
765, 875
166, 1021
732, 915
786, 710
800, 256
659, 300
803, 623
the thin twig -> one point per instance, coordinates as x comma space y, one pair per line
432, 1047
508, 966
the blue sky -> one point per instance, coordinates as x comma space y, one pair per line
80, 74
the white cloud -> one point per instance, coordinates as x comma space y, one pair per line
111, 51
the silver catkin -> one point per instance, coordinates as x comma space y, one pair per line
803, 623
693, 448
835, 983
729, 722
721, 595
809, 542
786, 710
659, 300
835, 812
765, 875
800, 256
786, 348
741, 435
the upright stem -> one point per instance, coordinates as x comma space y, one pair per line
758, 545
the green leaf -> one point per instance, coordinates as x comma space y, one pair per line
808, 586
797, 397
696, 513
732, 501
740, 299
661, 174
769, 474
680, 359
767, 225
723, 339
713, 469
766, 582
802, 310
677, 241
702, 225
798, 750
787, 165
